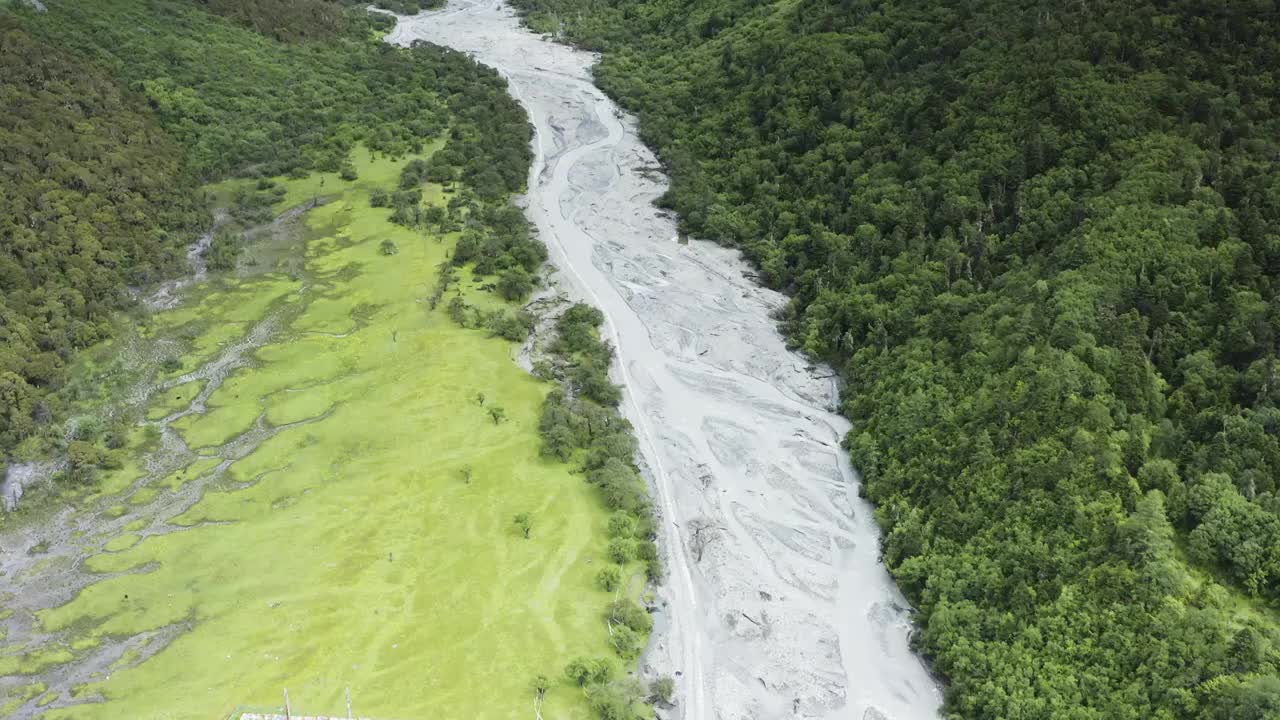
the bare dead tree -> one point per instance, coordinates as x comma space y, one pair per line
702, 532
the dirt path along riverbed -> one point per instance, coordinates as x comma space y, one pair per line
776, 603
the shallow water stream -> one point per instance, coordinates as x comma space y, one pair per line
777, 605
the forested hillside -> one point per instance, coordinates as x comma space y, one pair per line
117, 110
95, 197
1040, 244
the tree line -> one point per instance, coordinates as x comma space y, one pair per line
580, 422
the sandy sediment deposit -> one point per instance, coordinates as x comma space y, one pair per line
775, 603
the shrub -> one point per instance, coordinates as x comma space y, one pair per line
663, 689
224, 250
460, 311
510, 326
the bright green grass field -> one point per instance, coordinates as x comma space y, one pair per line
361, 559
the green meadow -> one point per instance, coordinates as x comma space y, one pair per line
368, 542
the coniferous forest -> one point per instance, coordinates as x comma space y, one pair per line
1040, 244
117, 111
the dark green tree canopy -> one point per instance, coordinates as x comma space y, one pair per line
1040, 243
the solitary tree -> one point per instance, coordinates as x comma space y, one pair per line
702, 532
465, 472
459, 310
524, 521
497, 413
541, 684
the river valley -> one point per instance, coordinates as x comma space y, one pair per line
639, 360
777, 605
319, 475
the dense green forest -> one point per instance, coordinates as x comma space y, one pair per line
118, 110
1039, 241
293, 20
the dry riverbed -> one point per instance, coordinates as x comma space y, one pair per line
776, 603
